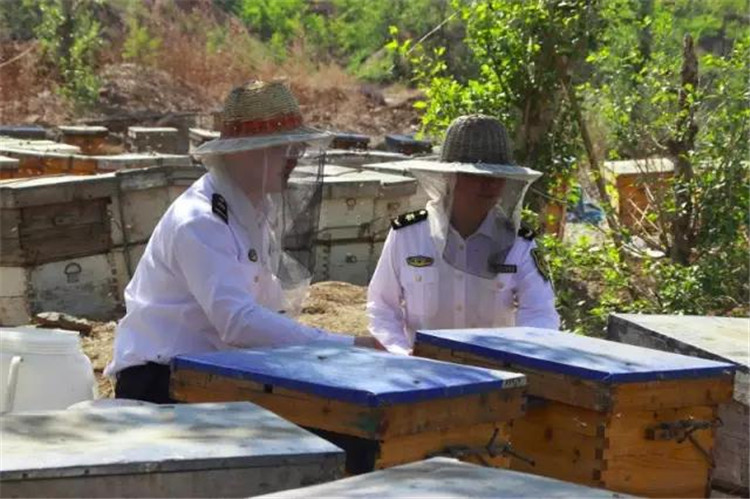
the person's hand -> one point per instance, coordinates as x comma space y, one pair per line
368, 342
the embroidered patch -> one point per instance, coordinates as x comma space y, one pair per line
502, 268
419, 261
220, 207
407, 219
541, 263
252, 255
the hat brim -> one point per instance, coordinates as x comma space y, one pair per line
514, 172
303, 134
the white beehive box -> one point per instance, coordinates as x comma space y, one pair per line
360, 205
85, 286
47, 219
183, 450
144, 195
139, 160
346, 261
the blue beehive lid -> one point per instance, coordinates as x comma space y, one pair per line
357, 375
580, 356
28, 132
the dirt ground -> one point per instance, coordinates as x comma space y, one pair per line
335, 306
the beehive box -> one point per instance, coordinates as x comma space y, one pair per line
382, 409
39, 157
641, 185
347, 261
126, 161
47, 219
361, 204
445, 478
605, 414
84, 286
8, 167
90, 139
143, 195
719, 338
204, 450
153, 139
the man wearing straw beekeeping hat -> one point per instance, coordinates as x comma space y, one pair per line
230, 261
464, 261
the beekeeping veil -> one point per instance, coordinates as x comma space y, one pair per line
252, 166
474, 145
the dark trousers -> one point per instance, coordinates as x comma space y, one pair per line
148, 382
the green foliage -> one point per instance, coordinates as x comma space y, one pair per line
69, 36
624, 58
140, 45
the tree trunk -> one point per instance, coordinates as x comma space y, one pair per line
594, 166
680, 146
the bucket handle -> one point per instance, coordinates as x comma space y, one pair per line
10, 388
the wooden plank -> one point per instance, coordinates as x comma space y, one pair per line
58, 244
655, 476
417, 447
673, 393
567, 417
39, 218
432, 415
551, 386
350, 419
558, 453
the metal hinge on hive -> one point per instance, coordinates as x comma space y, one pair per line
493, 449
682, 430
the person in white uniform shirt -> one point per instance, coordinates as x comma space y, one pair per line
464, 261
229, 263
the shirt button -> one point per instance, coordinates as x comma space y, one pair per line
418, 278
461, 247
500, 285
256, 278
459, 308
459, 276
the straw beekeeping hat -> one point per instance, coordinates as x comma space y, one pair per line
259, 115
478, 145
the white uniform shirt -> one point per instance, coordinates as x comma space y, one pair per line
402, 298
197, 289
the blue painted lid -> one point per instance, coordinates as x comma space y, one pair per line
357, 375
575, 355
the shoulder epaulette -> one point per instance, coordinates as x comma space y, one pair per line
407, 219
526, 233
220, 207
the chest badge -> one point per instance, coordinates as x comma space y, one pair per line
252, 255
419, 261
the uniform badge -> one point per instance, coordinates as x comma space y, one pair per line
219, 207
252, 255
502, 268
408, 219
541, 263
419, 261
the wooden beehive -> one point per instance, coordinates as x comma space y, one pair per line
153, 139
447, 479
47, 219
40, 157
603, 414
8, 167
90, 139
641, 185
724, 339
355, 217
204, 450
383, 409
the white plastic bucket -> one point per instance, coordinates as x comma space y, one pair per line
43, 369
